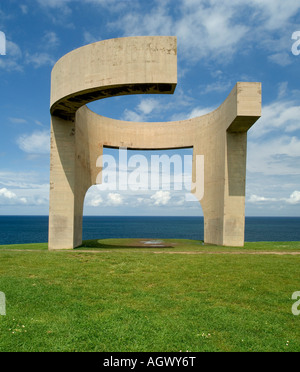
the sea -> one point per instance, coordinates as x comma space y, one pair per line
34, 229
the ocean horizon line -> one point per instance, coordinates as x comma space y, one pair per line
137, 215
18, 229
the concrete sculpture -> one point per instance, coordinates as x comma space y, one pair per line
142, 65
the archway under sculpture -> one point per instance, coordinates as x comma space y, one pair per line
142, 65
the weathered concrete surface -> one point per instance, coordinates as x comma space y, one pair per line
142, 65
114, 67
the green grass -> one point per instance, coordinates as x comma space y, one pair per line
128, 298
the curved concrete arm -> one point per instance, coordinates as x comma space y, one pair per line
114, 67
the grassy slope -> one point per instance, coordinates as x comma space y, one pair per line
130, 299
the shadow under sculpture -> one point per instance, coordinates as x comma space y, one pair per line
142, 65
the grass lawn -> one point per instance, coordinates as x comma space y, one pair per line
123, 295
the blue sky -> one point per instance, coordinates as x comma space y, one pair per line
219, 43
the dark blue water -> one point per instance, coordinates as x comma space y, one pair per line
34, 229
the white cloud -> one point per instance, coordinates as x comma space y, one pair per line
275, 14
23, 180
53, 3
18, 120
62, 5
283, 58
195, 112
209, 30
157, 22
259, 199
111, 5
279, 115
9, 197
146, 106
37, 122
50, 40
23, 188
93, 199
218, 86
24, 8
15, 59
88, 38
161, 197
95, 202
114, 199
65, 6
12, 60
36, 143
143, 110
294, 198
213, 29
39, 59
202, 31
7, 194
276, 156
130, 115
198, 111
282, 89
13, 49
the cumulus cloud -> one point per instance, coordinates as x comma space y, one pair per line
294, 198
7, 194
208, 29
274, 13
9, 197
195, 112
23, 189
39, 59
65, 6
146, 106
277, 156
278, 115
273, 142
213, 29
22, 180
161, 197
15, 59
88, 38
218, 86
50, 39
282, 89
96, 197
202, 30
12, 60
143, 110
259, 199
283, 58
149, 109
35, 143
61, 5
130, 115
114, 199
95, 202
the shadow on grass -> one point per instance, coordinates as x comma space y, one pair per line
125, 244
